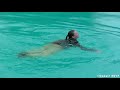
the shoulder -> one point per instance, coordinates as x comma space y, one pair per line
75, 41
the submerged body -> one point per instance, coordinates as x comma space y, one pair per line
70, 41
49, 49
44, 51
53, 47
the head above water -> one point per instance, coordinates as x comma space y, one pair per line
72, 34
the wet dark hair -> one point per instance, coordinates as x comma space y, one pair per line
70, 34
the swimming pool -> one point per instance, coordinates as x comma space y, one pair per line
21, 31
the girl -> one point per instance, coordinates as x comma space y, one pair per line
69, 41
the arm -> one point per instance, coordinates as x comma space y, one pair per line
86, 49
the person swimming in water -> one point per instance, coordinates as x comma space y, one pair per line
69, 41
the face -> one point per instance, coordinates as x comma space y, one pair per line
76, 35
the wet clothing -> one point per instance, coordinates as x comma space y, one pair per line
67, 43
72, 43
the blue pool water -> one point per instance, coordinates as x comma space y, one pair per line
21, 31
